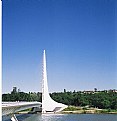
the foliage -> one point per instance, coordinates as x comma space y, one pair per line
98, 99
22, 96
101, 99
71, 108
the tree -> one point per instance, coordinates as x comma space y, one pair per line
64, 90
95, 89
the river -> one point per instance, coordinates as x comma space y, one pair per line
64, 117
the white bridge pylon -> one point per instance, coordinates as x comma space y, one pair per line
48, 104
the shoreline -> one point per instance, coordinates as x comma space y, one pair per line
71, 112
75, 110
86, 112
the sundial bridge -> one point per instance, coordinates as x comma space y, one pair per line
47, 104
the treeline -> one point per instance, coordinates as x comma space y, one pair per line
102, 99
21, 96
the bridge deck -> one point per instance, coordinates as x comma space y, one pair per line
13, 107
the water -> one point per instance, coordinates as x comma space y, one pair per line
65, 117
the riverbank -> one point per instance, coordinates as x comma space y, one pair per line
87, 110
80, 111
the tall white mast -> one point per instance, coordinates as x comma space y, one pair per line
48, 104
44, 80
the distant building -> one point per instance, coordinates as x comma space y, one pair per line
88, 92
19, 90
14, 89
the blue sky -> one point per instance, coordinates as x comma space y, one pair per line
79, 37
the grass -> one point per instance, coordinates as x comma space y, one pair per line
72, 108
84, 110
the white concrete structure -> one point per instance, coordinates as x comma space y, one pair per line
48, 104
12, 107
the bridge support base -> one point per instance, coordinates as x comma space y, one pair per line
13, 118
